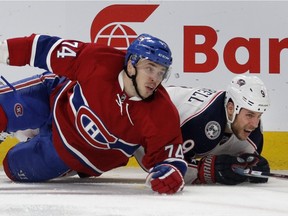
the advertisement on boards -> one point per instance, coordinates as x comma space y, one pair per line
212, 41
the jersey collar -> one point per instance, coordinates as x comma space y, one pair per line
121, 83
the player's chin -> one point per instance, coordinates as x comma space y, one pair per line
244, 135
147, 93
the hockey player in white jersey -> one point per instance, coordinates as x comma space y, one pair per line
222, 130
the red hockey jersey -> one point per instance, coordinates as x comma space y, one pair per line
96, 126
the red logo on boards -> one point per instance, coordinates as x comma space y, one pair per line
107, 27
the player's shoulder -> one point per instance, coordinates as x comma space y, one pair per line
163, 104
190, 101
95, 56
163, 97
104, 49
191, 94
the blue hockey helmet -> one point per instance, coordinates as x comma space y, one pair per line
148, 47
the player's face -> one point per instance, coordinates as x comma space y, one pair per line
245, 122
149, 76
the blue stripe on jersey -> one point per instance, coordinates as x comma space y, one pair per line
43, 47
77, 99
70, 148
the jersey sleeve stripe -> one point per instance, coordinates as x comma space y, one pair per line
48, 60
33, 51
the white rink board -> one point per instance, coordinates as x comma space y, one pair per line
260, 20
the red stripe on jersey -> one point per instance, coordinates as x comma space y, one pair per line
252, 144
21, 85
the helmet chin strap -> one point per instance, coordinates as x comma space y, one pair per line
229, 122
133, 78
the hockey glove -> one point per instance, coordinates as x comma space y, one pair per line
165, 179
219, 169
262, 166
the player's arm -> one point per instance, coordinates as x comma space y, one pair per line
32, 50
163, 150
46, 52
73, 59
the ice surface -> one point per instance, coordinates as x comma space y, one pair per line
123, 192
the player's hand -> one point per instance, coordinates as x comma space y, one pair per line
219, 169
262, 166
165, 179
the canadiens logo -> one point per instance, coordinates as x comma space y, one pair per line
96, 134
93, 130
18, 109
212, 130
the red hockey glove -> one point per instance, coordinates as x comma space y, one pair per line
212, 168
165, 179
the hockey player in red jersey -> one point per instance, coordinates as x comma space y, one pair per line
94, 107
222, 130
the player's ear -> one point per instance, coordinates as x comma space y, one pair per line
130, 68
230, 109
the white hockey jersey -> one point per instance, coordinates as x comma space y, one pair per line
203, 121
